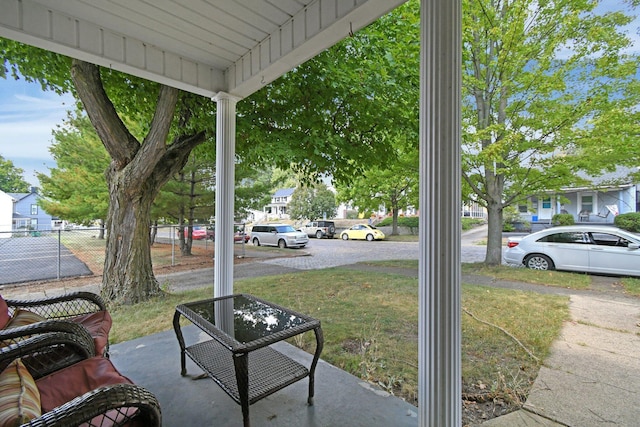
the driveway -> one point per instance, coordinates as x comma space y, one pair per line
31, 259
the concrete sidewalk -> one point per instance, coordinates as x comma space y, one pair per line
592, 376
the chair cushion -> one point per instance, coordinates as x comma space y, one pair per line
4, 313
19, 396
66, 384
98, 324
23, 317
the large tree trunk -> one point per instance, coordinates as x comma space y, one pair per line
394, 221
494, 188
494, 234
128, 268
136, 174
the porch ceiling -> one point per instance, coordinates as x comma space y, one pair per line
201, 46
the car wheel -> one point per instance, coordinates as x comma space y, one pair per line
319, 234
256, 242
345, 236
282, 244
539, 262
370, 237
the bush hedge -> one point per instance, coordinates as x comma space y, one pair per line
628, 221
403, 221
412, 222
563, 219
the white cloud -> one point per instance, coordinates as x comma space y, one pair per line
27, 118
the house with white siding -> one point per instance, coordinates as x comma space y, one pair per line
6, 214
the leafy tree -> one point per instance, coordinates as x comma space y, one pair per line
76, 189
336, 114
312, 202
305, 120
11, 180
191, 196
395, 187
543, 83
173, 123
253, 188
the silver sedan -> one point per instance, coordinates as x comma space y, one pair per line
589, 249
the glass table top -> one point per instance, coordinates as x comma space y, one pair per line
251, 319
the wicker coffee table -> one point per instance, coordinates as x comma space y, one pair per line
238, 357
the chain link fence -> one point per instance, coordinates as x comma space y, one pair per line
44, 255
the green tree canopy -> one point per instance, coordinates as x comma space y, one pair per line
543, 84
11, 180
76, 189
336, 114
312, 202
394, 186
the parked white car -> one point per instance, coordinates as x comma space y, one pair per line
281, 235
589, 249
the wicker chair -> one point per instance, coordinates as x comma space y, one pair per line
112, 403
82, 308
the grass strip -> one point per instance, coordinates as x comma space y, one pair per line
370, 325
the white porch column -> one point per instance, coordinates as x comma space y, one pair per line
225, 174
439, 354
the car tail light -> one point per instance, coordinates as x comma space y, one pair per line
512, 244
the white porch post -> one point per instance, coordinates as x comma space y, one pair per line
225, 174
439, 354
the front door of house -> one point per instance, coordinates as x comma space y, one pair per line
545, 209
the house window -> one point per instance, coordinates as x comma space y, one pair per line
546, 203
587, 204
523, 208
34, 209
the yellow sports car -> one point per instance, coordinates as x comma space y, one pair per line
362, 232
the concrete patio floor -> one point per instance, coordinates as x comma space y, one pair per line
340, 399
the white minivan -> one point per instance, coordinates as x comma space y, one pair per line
281, 235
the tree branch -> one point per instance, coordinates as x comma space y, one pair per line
504, 331
115, 136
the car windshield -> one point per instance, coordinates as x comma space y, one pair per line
285, 229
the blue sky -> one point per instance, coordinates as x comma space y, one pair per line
28, 115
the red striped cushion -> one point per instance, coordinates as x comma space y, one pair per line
4, 313
19, 396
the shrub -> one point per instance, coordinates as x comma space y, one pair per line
403, 221
469, 223
512, 221
628, 221
563, 219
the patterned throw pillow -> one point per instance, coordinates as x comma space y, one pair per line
19, 396
20, 318
4, 313
23, 318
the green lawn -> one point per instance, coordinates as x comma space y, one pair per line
370, 325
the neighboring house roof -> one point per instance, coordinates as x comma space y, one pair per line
19, 196
622, 176
284, 192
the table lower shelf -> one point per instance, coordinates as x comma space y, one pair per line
269, 370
